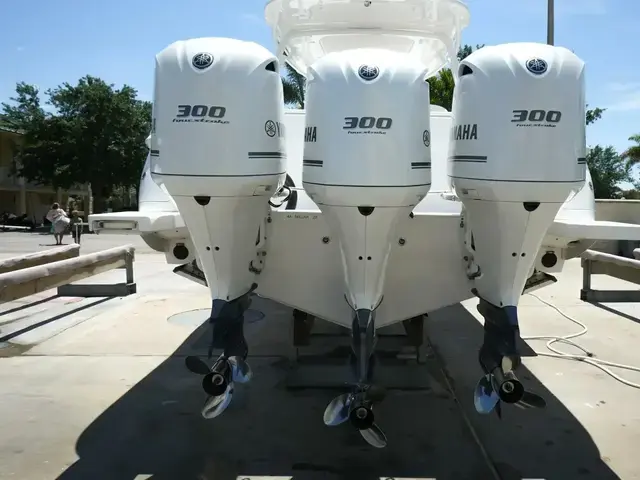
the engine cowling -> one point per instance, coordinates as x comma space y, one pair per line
517, 153
217, 145
367, 138
217, 118
367, 157
519, 124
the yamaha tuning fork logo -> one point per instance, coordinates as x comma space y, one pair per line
202, 60
368, 72
270, 128
537, 66
426, 138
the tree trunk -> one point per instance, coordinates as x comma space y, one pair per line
99, 204
101, 194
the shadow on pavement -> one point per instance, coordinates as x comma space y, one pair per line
615, 311
27, 305
17, 333
155, 430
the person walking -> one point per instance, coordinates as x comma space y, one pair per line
59, 220
76, 226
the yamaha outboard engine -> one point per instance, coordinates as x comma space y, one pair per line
517, 153
367, 164
212, 151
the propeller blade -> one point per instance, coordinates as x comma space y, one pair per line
196, 365
376, 393
499, 410
215, 406
531, 400
241, 371
374, 436
337, 411
485, 397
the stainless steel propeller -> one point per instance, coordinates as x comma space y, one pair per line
240, 370
337, 412
196, 365
374, 436
357, 407
531, 400
485, 398
490, 392
216, 405
218, 381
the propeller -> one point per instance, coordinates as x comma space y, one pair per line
196, 365
374, 436
492, 389
337, 412
240, 370
531, 400
485, 398
216, 405
357, 407
218, 381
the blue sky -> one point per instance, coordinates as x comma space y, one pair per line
46, 43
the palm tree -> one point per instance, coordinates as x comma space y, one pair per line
632, 154
441, 89
293, 84
442, 84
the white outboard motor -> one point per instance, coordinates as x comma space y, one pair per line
517, 153
367, 159
218, 147
212, 152
366, 164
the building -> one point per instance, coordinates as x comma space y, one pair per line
20, 197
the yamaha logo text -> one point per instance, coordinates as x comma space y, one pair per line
310, 134
468, 131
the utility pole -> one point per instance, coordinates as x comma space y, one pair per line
550, 22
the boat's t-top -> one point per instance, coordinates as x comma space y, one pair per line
307, 30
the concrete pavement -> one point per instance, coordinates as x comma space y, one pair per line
102, 393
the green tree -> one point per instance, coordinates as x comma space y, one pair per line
632, 154
608, 170
27, 108
594, 114
441, 85
95, 136
293, 85
631, 194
